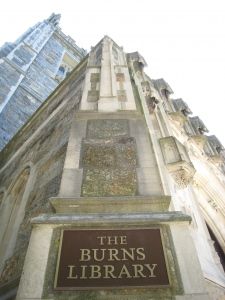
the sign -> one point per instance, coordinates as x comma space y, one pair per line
90, 259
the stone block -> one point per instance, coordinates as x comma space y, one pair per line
121, 94
104, 129
177, 161
93, 96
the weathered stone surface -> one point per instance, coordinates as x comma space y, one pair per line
120, 204
13, 266
45, 153
28, 75
109, 167
23, 55
104, 129
177, 161
113, 153
73, 95
8, 75
92, 96
122, 95
108, 159
108, 182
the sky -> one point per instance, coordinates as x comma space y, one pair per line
182, 41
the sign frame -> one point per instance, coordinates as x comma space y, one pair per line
163, 286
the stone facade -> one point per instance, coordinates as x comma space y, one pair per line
31, 68
110, 149
45, 171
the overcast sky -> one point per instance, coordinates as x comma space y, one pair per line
182, 41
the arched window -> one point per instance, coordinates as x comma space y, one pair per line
12, 214
217, 247
61, 70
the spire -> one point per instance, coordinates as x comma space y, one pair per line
54, 19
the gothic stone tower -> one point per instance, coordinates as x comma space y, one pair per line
104, 192
30, 69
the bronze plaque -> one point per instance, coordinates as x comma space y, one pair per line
90, 259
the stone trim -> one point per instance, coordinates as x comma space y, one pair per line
134, 204
89, 219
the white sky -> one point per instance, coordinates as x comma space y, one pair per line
182, 41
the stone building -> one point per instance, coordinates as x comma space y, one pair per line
30, 69
112, 191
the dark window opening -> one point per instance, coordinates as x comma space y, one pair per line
217, 247
61, 70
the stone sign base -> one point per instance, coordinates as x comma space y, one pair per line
184, 274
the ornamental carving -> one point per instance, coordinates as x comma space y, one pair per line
151, 103
183, 175
214, 150
177, 161
181, 106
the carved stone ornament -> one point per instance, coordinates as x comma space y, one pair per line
182, 173
181, 106
151, 103
177, 161
161, 84
215, 150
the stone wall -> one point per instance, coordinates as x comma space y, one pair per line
44, 153
28, 76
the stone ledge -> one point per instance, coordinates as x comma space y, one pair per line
124, 204
129, 114
114, 219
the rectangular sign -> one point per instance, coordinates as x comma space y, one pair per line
90, 259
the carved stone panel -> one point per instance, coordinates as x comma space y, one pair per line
214, 150
93, 93
120, 77
122, 95
103, 129
170, 150
93, 96
177, 161
109, 167
108, 159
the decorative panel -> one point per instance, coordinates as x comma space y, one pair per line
177, 161
108, 159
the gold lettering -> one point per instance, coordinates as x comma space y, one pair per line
95, 272
83, 272
85, 255
113, 254
124, 271
128, 254
101, 256
151, 269
71, 268
109, 269
141, 252
138, 271
123, 240
102, 238
112, 240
